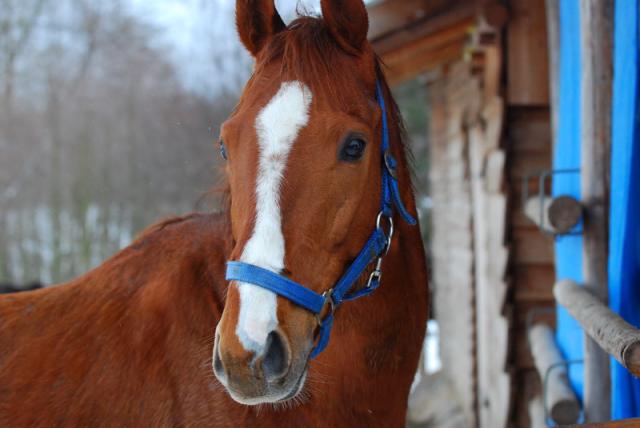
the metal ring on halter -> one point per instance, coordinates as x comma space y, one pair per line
328, 298
390, 234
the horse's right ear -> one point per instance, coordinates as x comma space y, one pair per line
257, 22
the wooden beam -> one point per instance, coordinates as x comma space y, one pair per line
391, 15
400, 71
553, 51
607, 329
462, 13
596, 30
426, 45
560, 400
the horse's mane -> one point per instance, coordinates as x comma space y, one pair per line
306, 51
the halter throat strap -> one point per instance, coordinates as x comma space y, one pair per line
323, 305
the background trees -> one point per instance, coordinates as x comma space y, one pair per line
99, 134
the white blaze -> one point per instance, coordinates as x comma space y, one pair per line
277, 127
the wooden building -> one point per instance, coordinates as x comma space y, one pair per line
491, 70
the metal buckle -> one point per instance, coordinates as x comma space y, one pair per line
388, 235
376, 274
328, 299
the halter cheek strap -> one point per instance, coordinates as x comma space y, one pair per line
374, 249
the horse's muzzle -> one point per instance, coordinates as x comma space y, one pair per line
267, 375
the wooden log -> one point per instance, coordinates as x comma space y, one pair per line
596, 30
536, 413
560, 400
556, 215
612, 334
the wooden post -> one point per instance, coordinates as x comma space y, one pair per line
596, 30
553, 47
560, 400
608, 330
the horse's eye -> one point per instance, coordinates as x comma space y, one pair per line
223, 150
352, 149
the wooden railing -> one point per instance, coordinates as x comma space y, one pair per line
613, 334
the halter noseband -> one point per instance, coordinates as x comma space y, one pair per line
375, 248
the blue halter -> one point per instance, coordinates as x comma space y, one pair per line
375, 248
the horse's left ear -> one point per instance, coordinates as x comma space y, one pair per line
257, 22
348, 23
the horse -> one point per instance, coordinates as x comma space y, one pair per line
244, 317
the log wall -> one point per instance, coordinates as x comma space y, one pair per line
452, 100
529, 148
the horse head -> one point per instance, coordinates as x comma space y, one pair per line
303, 151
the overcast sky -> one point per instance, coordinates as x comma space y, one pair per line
201, 39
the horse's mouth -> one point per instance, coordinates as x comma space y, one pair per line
297, 388
273, 398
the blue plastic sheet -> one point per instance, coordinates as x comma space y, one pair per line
624, 236
566, 156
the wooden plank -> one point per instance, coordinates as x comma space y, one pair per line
596, 30
492, 71
527, 75
521, 166
496, 214
533, 283
494, 172
532, 247
529, 130
493, 115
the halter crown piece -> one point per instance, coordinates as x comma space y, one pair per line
375, 248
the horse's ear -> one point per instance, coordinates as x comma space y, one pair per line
348, 23
257, 22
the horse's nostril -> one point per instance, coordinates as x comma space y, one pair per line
217, 362
275, 361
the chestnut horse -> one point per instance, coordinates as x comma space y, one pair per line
156, 336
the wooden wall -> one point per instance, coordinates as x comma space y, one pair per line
469, 250
453, 99
528, 143
489, 126
491, 266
